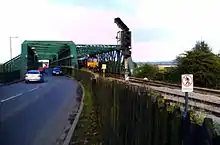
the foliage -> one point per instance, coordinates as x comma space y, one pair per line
147, 70
199, 61
131, 115
171, 75
135, 64
87, 130
202, 63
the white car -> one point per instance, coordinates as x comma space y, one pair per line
34, 76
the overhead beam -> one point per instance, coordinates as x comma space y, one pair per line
46, 41
44, 57
84, 50
46, 53
48, 46
95, 45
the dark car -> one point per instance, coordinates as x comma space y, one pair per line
56, 71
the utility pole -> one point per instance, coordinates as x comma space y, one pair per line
10, 39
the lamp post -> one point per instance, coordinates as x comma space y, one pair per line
10, 39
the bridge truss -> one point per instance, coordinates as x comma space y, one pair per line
63, 53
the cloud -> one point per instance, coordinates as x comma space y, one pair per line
186, 21
161, 29
45, 21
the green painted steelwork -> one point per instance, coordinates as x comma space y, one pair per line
64, 53
10, 70
46, 50
12, 65
6, 77
84, 50
1, 68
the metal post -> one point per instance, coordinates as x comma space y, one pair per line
103, 73
10, 53
186, 103
10, 48
126, 68
10, 41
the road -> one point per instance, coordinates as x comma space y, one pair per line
36, 114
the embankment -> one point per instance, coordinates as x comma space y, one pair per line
135, 115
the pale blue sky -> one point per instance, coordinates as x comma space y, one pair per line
125, 6
161, 29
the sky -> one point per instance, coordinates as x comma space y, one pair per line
160, 29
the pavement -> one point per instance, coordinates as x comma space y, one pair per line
36, 114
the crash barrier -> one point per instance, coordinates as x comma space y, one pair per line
135, 115
6, 77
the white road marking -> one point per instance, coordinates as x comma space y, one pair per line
33, 89
12, 97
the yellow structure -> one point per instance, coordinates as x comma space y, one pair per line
92, 63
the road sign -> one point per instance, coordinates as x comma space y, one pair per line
103, 66
187, 82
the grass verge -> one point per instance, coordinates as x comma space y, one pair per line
87, 129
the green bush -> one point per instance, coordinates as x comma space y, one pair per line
199, 61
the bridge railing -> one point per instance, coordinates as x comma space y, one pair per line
10, 70
135, 115
13, 64
6, 77
1, 68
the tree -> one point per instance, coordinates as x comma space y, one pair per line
147, 70
135, 64
202, 63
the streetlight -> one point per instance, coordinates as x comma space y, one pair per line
10, 39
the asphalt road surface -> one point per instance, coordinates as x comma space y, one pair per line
36, 114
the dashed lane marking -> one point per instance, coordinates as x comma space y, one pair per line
33, 89
12, 97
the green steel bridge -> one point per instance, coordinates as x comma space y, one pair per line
62, 53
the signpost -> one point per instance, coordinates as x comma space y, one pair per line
187, 86
103, 69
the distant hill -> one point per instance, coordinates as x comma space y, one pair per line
158, 62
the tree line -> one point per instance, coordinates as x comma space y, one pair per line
199, 61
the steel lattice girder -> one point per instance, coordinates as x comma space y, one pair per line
14, 62
47, 50
46, 55
52, 47
40, 50
84, 50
